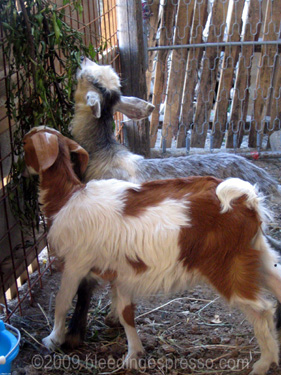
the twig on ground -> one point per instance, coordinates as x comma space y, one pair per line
168, 303
43, 312
33, 338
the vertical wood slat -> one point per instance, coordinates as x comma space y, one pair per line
240, 99
275, 106
132, 53
226, 79
271, 31
177, 70
167, 22
151, 40
208, 78
192, 67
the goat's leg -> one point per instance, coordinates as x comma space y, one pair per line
112, 318
68, 289
125, 310
273, 281
278, 318
260, 314
78, 323
271, 270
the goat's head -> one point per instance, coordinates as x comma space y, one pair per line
98, 87
42, 146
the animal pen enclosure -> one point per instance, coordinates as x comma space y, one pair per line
212, 72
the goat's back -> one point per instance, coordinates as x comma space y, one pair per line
156, 236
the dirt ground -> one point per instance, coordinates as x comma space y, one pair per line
191, 333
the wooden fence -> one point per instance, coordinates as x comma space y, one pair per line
214, 72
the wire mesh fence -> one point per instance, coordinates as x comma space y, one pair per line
214, 72
21, 257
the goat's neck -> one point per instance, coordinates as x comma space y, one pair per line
57, 185
94, 134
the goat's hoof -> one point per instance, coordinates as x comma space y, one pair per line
132, 360
51, 342
112, 321
260, 367
72, 340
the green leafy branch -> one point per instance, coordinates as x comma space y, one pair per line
42, 53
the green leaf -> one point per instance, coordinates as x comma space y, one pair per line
42, 103
56, 28
7, 26
39, 17
80, 9
43, 44
92, 51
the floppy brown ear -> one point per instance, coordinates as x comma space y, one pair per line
46, 147
82, 154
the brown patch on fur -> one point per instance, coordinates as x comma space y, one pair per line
59, 183
108, 275
129, 314
219, 245
138, 265
83, 87
152, 193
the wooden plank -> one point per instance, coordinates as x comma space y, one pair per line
243, 76
209, 75
275, 105
11, 292
23, 278
226, 79
265, 74
8, 273
33, 266
177, 71
132, 56
151, 40
200, 15
168, 10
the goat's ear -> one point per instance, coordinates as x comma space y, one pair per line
82, 155
46, 147
94, 101
134, 108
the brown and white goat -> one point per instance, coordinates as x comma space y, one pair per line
157, 236
92, 128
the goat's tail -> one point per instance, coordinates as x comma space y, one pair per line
234, 188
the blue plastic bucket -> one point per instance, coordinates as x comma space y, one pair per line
9, 347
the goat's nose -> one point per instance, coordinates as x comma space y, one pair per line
82, 58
